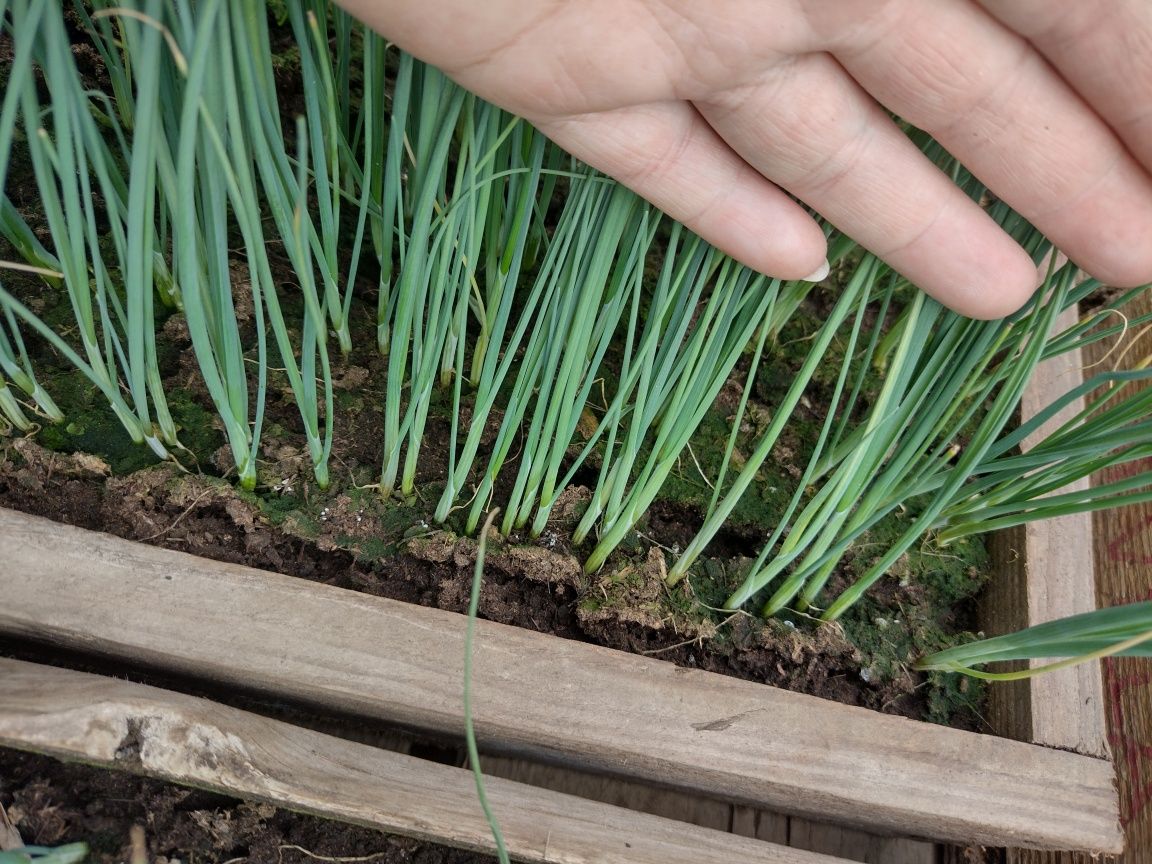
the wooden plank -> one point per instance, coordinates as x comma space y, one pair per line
1004, 609
1123, 547
546, 698
1058, 552
1121, 543
195, 742
1044, 571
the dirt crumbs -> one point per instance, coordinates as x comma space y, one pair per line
52, 803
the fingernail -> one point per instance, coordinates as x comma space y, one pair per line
820, 274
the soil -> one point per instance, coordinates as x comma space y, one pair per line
52, 803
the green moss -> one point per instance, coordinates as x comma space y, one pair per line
303, 524
195, 426
953, 698
276, 507
372, 549
357, 520
691, 483
278, 10
919, 608
91, 426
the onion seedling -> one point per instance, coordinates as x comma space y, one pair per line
1117, 631
577, 332
72, 163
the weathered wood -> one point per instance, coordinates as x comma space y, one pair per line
546, 698
853, 845
642, 797
195, 742
1044, 571
762, 824
846, 843
1059, 553
1071, 716
1004, 609
1123, 547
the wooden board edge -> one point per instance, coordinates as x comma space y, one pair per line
195, 742
1046, 570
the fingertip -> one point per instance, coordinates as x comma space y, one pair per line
668, 155
993, 283
778, 239
741, 213
1128, 268
1106, 231
820, 273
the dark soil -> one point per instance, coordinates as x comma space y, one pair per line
53, 803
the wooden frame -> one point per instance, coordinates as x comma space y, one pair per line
546, 698
1046, 571
200, 743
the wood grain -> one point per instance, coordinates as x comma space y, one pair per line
751, 822
545, 698
1043, 571
1123, 547
195, 742
846, 843
1121, 544
854, 845
642, 797
1058, 556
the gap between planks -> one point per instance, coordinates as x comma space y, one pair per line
546, 698
843, 843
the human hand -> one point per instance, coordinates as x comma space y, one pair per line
710, 109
